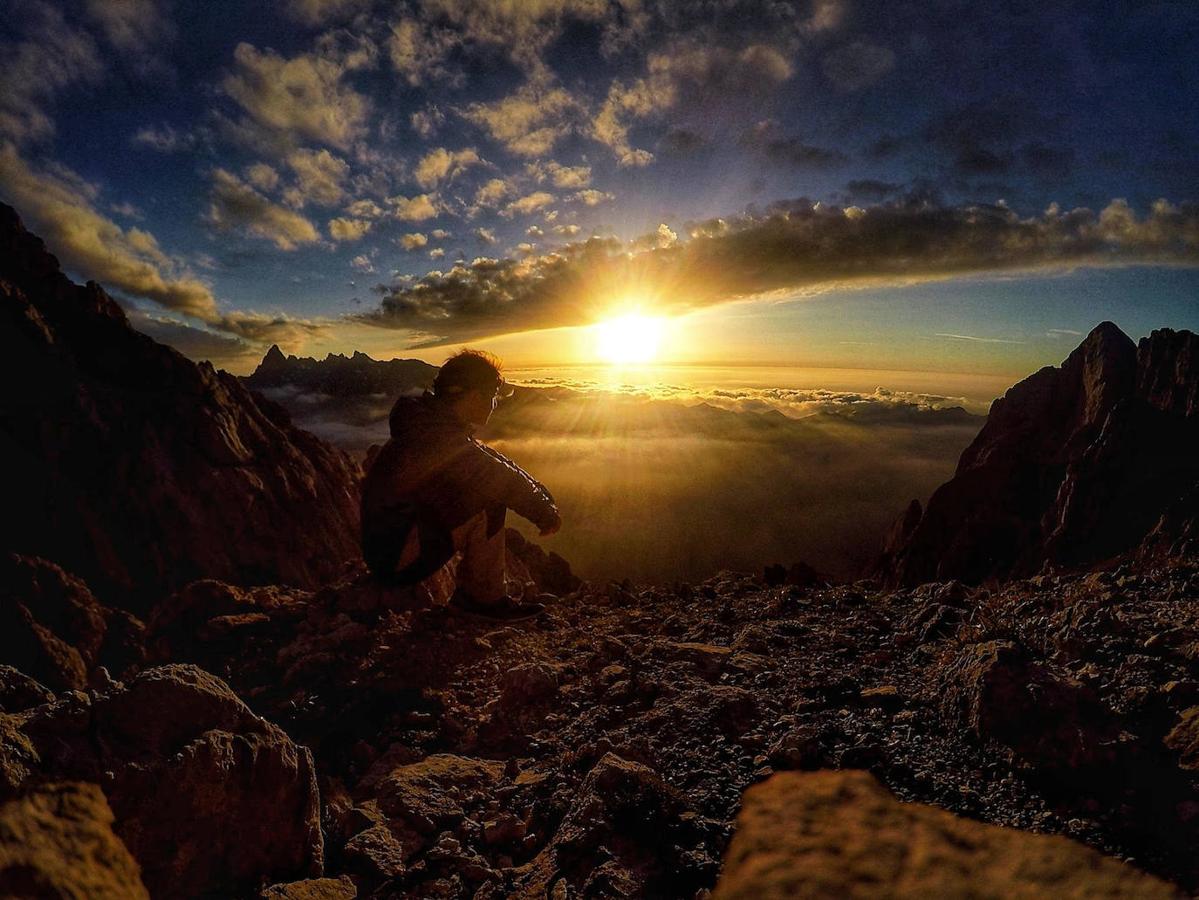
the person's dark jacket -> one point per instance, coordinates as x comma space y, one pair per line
434, 476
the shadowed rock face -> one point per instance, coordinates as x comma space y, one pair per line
138, 470
1074, 466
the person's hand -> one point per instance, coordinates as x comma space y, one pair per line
553, 526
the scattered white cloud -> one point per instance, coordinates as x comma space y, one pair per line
342, 229
444, 165
528, 204
236, 206
319, 178
413, 209
286, 102
413, 240
592, 197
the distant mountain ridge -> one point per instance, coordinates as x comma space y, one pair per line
1075, 465
338, 375
139, 470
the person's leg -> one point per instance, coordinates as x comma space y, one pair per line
481, 574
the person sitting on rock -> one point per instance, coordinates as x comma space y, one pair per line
434, 491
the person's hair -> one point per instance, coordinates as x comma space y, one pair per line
468, 370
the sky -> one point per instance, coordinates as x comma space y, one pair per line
927, 186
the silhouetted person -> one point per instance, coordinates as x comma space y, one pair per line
434, 491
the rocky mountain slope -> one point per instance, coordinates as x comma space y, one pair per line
1074, 466
140, 471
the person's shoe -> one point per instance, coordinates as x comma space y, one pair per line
506, 609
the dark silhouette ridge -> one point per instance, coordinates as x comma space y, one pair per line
1075, 465
338, 375
139, 470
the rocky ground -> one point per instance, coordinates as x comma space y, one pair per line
603, 749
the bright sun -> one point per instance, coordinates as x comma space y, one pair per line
628, 340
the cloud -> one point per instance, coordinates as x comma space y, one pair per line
439, 234
222, 350
528, 122
528, 204
49, 56
534, 231
362, 263
235, 206
444, 165
413, 240
418, 51
425, 122
413, 209
592, 197
492, 192
139, 30
486, 235
262, 176
364, 209
792, 249
342, 229
272, 328
857, 65
870, 189
682, 74
437, 253
60, 207
764, 138
318, 12
288, 101
977, 340
567, 230
319, 176
559, 175
164, 138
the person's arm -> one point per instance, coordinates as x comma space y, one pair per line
486, 476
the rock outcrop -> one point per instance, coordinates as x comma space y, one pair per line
1075, 466
208, 797
53, 630
842, 834
138, 470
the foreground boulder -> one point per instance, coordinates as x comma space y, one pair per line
139, 470
208, 797
57, 841
842, 834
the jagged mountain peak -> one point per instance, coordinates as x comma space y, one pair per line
1075, 465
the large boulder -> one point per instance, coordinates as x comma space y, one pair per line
1051, 722
842, 834
57, 842
139, 470
208, 797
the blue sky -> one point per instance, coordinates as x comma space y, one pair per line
945, 185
